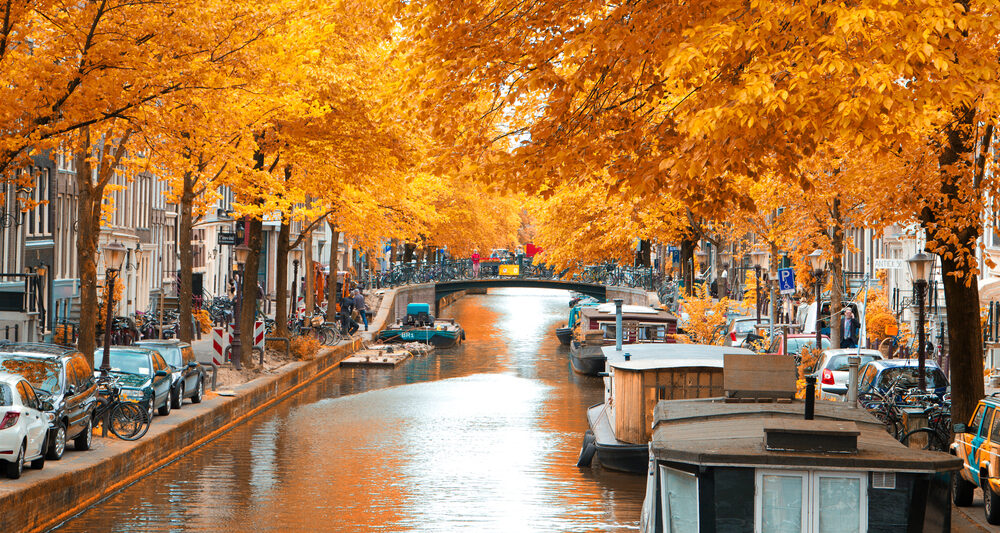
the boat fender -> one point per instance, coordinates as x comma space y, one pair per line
588, 450
463, 334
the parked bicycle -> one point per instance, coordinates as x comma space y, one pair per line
127, 420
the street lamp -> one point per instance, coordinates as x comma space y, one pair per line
296, 255
240, 253
759, 258
920, 270
114, 254
818, 264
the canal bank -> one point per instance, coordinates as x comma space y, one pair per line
42, 499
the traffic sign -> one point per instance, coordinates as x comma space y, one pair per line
786, 280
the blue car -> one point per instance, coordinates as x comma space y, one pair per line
144, 376
879, 376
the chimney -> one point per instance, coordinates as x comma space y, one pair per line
618, 324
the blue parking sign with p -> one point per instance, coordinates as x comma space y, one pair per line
786, 280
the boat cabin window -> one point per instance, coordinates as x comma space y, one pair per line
636, 333
679, 495
798, 501
609, 330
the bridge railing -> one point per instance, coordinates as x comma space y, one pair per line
609, 274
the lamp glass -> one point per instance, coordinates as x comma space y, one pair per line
816, 260
759, 258
241, 252
114, 255
295, 254
920, 266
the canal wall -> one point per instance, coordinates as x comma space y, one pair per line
42, 499
629, 295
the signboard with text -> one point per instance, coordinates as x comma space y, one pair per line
509, 270
227, 238
890, 264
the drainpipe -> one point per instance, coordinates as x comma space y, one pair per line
618, 324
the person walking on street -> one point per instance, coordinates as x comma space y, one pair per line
850, 328
361, 306
475, 263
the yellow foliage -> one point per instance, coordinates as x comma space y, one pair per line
705, 317
204, 320
304, 347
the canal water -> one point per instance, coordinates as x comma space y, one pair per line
483, 437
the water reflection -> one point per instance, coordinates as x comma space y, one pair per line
483, 437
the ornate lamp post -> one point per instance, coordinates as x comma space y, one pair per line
296, 254
114, 254
818, 265
920, 271
759, 259
702, 256
240, 253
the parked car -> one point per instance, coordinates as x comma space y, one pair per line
796, 343
741, 327
881, 375
186, 374
143, 374
834, 370
978, 445
23, 427
64, 382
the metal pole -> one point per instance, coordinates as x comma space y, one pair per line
819, 307
810, 396
757, 288
618, 324
109, 302
236, 351
853, 363
921, 348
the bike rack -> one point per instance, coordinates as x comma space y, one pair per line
215, 372
288, 346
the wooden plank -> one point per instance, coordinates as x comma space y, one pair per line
754, 375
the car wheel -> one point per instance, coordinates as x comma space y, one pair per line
198, 390
961, 490
990, 504
58, 445
86, 437
177, 399
14, 468
164, 409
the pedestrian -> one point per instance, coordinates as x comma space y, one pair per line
849, 330
475, 263
361, 306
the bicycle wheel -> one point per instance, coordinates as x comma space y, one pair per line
925, 438
129, 421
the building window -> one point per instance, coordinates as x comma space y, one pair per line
679, 493
796, 501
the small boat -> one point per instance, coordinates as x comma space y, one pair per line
638, 376
595, 329
565, 333
419, 325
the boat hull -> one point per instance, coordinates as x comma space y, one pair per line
436, 338
612, 453
565, 335
586, 360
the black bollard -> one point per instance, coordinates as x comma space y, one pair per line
810, 396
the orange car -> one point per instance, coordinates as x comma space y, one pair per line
978, 445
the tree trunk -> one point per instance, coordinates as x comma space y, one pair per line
249, 304
281, 280
184, 236
687, 268
88, 232
408, 250
965, 338
836, 277
331, 288
392, 252
309, 287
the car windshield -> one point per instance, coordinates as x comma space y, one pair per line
42, 374
840, 363
797, 344
746, 326
907, 377
171, 354
128, 362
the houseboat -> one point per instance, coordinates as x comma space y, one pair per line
637, 378
595, 329
724, 465
419, 325
565, 333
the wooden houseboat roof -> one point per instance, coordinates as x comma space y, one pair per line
713, 432
646, 356
629, 312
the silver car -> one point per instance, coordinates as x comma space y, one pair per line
833, 370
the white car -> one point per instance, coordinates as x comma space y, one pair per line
23, 426
833, 370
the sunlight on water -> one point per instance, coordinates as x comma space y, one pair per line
483, 437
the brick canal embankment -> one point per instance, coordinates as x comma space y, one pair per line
42, 499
